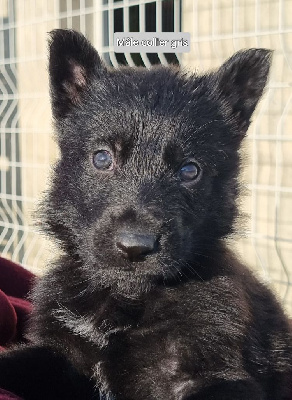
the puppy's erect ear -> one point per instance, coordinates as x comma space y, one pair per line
73, 64
241, 81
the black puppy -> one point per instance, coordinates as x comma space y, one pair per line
147, 301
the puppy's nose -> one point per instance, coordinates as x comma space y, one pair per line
135, 245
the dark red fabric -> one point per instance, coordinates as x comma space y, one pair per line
4, 395
14, 279
15, 283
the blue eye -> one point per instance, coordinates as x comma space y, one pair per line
102, 159
189, 172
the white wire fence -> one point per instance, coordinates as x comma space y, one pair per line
218, 28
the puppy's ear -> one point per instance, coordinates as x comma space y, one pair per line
73, 64
241, 81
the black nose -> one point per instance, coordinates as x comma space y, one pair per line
135, 245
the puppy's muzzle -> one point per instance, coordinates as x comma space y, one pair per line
135, 246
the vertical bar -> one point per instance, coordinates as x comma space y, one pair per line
142, 16
176, 16
255, 170
279, 163
177, 22
82, 17
98, 24
215, 28
127, 29
111, 33
235, 9
161, 56
3, 105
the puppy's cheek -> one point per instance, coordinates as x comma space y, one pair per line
180, 239
102, 242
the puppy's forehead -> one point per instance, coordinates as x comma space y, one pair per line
164, 89
142, 130
148, 109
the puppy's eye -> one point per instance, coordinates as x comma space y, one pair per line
103, 159
189, 172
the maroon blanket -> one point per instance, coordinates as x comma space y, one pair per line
15, 283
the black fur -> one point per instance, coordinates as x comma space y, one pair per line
187, 321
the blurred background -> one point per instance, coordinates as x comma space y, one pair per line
218, 29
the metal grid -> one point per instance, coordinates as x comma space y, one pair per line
218, 28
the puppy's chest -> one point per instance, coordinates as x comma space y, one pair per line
134, 351
152, 361
170, 353
166, 349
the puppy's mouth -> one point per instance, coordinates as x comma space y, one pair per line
134, 258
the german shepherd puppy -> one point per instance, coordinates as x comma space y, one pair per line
147, 301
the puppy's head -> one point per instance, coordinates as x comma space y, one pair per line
147, 179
